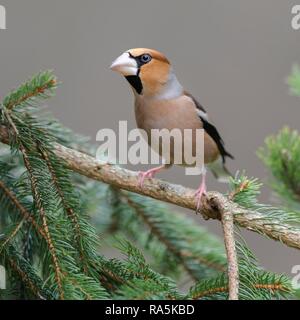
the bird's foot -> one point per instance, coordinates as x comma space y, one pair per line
198, 195
142, 175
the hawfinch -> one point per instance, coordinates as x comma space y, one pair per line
161, 102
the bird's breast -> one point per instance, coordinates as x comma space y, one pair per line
159, 114
179, 114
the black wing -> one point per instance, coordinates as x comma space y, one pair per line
211, 130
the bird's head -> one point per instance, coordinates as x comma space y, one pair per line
148, 71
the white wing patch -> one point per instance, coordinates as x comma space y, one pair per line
202, 114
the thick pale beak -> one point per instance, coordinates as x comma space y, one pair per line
125, 65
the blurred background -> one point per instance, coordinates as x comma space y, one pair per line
233, 56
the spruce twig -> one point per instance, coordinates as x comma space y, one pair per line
27, 215
37, 197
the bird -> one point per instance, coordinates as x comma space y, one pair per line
161, 102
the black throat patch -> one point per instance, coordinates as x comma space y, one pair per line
136, 83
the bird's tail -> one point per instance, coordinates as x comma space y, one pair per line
219, 170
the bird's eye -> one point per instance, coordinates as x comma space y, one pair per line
145, 58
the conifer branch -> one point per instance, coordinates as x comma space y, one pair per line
281, 155
26, 273
209, 292
254, 283
156, 232
225, 289
70, 212
253, 220
37, 188
25, 278
39, 204
12, 235
39, 86
21, 209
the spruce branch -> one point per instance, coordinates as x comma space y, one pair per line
181, 239
53, 195
146, 283
23, 212
254, 282
12, 235
281, 155
39, 87
44, 197
182, 256
38, 200
66, 204
263, 219
26, 273
218, 288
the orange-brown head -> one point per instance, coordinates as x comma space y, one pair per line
148, 71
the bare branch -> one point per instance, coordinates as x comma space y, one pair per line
175, 194
233, 268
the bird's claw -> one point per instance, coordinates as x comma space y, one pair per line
142, 175
198, 196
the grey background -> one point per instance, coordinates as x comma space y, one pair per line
233, 55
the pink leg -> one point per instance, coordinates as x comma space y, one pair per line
148, 174
200, 191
